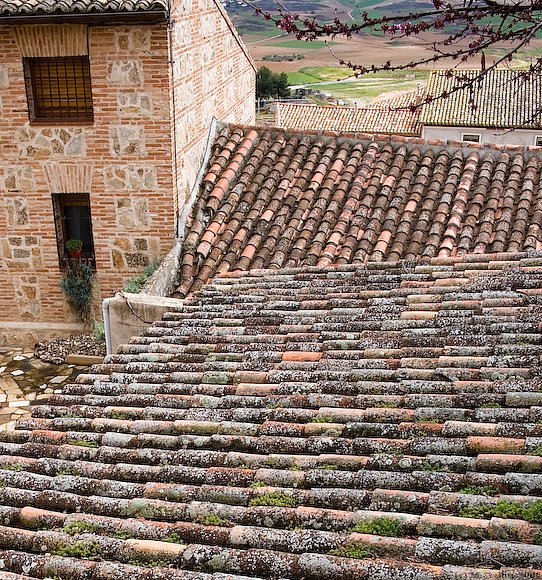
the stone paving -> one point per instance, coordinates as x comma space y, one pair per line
26, 380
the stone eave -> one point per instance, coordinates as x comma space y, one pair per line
92, 18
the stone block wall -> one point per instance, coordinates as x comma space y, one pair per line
135, 161
213, 76
123, 159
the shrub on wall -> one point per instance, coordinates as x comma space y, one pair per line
77, 284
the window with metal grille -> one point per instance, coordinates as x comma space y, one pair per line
58, 88
73, 221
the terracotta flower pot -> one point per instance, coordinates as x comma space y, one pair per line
75, 253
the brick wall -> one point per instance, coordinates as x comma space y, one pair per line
124, 158
213, 77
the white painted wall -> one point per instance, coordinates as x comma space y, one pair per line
522, 137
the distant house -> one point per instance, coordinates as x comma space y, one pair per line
391, 116
486, 110
105, 112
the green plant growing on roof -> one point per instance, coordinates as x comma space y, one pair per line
538, 538
530, 512
428, 466
77, 284
328, 466
490, 406
275, 498
433, 420
79, 527
173, 538
212, 520
120, 415
321, 419
385, 405
135, 284
83, 443
258, 483
12, 467
477, 511
158, 563
118, 534
380, 527
507, 509
356, 550
79, 549
533, 512
68, 471
536, 451
479, 490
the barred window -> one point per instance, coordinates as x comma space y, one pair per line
58, 88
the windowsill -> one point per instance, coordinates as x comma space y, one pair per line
63, 122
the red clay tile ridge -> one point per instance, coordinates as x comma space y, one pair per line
348, 423
274, 199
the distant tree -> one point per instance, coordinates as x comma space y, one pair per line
270, 84
464, 30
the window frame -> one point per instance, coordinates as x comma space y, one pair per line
536, 139
35, 115
477, 135
60, 219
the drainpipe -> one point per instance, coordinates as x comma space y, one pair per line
107, 325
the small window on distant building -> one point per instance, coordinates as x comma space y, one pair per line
73, 222
471, 137
538, 140
58, 88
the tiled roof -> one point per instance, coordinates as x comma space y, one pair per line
502, 99
349, 423
24, 7
392, 116
275, 199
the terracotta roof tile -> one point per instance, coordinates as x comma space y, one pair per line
275, 199
392, 116
501, 99
296, 423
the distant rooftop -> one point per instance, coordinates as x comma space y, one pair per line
392, 116
500, 99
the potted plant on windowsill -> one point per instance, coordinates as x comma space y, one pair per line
74, 247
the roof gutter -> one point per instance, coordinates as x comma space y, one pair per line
148, 17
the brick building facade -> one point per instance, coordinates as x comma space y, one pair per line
118, 169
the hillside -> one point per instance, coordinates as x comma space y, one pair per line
247, 23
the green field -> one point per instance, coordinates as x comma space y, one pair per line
365, 88
312, 74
